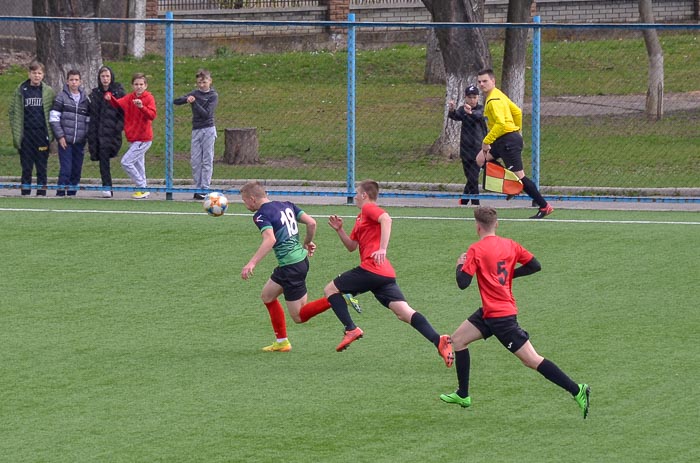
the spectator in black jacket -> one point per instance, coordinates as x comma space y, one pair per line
69, 121
106, 125
471, 114
31, 134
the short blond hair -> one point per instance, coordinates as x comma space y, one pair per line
253, 190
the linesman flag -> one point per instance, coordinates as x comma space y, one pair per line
501, 180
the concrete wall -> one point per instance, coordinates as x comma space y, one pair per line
602, 11
200, 40
203, 40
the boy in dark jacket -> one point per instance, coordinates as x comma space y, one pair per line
473, 132
29, 119
69, 121
106, 125
203, 102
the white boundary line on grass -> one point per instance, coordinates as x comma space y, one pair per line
638, 222
96, 211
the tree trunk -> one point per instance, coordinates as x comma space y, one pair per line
655, 91
241, 146
62, 46
137, 32
434, 65
515, 52
464, 52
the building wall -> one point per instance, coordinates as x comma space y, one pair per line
207, 39
203, 39
601, 11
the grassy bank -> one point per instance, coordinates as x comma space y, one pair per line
297, 101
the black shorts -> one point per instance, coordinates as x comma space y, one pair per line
506, 329
509, 148
292, 279
359, 280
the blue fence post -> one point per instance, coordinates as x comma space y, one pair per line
536, 68
169, 118
351, 112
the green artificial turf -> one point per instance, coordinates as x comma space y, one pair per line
128, 335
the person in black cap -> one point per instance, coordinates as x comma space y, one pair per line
471, 114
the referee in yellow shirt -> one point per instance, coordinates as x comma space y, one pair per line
503, 140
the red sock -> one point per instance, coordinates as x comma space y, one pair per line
313, 308
277, 318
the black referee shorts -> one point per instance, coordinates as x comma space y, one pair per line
509, 148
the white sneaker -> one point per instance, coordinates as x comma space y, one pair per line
106, 194
141, 195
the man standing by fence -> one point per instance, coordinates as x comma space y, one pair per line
504, 140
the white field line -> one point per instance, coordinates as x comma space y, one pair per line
95, 211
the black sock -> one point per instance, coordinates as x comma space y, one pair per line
533, 192
420, 323
340, 307
462, 364
552, 372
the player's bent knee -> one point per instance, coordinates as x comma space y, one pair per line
532, 362
330, 289
529, 364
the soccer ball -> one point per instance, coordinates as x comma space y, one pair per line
215, 204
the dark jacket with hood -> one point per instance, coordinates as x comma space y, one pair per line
106, 122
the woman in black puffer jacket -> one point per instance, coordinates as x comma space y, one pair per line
106, 125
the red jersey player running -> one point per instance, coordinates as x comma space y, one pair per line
493, 259
371, 235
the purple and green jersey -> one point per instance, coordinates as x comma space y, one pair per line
282, 217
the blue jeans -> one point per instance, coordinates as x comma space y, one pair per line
71, 167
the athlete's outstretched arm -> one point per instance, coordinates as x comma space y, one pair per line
268, 241
463, 279
528, 269
310, 223
336, 224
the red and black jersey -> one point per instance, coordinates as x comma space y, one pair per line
493, 259
367, 232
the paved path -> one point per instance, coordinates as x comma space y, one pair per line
336, 196
596, 105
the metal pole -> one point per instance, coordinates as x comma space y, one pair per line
536, 68
351, 112
169, 117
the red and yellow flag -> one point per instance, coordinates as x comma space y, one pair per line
501, 180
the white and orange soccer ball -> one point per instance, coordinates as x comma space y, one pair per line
215, 204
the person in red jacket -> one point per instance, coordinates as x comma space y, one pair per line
139, 109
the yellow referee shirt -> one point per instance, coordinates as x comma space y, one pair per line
502, 116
